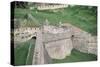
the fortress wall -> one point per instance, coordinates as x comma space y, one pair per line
92, 43
57, 44
92, 48
85, 43
80, 44
59, 49
27, 29
24, 34
81, 40
60, 44
53, 37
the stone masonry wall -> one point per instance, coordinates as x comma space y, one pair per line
58, 45
59, 49
84, 42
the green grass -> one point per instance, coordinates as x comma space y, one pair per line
21, 53
31, 53
79, 18
76, 56
21, 13
82, 18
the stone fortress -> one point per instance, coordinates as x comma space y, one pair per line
56, 42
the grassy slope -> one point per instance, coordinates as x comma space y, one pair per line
31, 52
21, 53
78, 17
77, 56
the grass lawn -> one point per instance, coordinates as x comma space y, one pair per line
22, 51
76, 56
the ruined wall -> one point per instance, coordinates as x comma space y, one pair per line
59, 45
59, 49
80, 44
84, 45
84, 42
92, 43
24, 34
57, 42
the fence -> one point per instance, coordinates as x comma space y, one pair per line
51, 7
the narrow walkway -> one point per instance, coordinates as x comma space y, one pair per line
38, 57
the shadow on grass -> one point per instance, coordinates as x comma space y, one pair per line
22, 51
77, 56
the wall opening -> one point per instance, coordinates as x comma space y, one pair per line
34, 37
